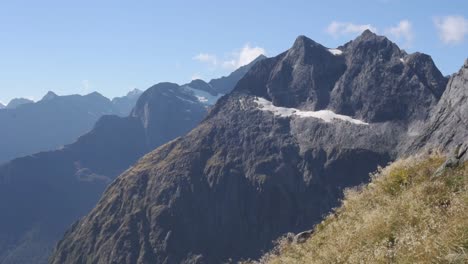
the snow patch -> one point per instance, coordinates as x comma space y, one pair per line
325, 115
202, 96
184, 99
335, 51
402, 60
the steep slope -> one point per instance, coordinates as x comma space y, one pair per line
43, 194
125, 104
209, 93
272, 157
405, 215
225, 84
49, 123
448, 126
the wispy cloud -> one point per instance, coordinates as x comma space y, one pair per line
245, 56
452, 29
234, 60
403, 31
338, 29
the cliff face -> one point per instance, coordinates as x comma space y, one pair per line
448, 125
271, 157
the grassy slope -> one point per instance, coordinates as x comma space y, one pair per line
405, 215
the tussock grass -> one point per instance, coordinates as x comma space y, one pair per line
404, 215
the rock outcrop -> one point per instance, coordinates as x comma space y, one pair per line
448, 125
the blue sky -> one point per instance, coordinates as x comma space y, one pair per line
115, 46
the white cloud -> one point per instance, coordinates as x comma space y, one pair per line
452, 29
246, 55
338, 29
235, 60
207, 58
403, 31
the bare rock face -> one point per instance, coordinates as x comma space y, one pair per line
448, 126
251, 172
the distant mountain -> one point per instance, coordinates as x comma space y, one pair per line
43, 194
14, 103
273, 156
55, 120
49, 123
209, 93
125, 104
2, 106
225, 84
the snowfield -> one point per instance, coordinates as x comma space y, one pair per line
325, 115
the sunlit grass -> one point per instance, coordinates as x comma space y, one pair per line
405, 215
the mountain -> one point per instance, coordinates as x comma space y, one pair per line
271, 157
2, 106
49, 123
209, 93
125, 104
27, 129
53, 189
225, 84
448, 126
406, 215
14, 103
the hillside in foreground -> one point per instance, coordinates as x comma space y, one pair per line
408, 213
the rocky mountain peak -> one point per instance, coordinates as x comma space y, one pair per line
49, 96
448, 125
427, 72
134, 92
370, 46
305, 50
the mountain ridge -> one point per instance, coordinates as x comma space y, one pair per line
54, 188
246, 174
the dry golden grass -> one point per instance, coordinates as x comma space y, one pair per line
405, 215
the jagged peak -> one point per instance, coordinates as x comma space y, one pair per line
368, 33
134, 92
369, 36
303, 41
49, 96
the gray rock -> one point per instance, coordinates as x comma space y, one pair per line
448, 125
303, 236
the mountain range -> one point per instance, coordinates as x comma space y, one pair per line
16, 102
273, 156
41, 195
54, 121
